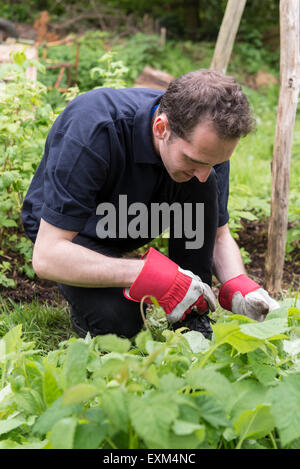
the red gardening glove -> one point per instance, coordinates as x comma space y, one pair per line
241, 295
175, 289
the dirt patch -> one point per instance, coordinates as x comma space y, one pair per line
253, 238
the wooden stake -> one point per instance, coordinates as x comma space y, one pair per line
227, 34
287, 106
163, 37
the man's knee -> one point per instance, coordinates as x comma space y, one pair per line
102, 311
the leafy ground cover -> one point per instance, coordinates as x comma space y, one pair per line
239, 390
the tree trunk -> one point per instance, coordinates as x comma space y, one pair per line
287, 106
227, 34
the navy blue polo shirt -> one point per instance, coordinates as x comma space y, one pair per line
99, 147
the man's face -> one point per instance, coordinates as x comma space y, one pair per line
194, 158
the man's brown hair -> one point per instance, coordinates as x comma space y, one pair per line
207, 95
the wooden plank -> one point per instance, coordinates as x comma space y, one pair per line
153, 78
227, 34
286, 114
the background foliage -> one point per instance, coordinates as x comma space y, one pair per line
189, 19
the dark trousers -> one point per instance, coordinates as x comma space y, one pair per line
106, 310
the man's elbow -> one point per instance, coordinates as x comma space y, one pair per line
39, 265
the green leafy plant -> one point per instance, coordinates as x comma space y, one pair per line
239, 390
111, 73
25, 118
5, 266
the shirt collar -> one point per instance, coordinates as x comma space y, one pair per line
143, 147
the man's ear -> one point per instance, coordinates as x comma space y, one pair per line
161, 127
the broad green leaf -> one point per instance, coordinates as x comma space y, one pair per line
9, 223
254, 423
5, 393
110, 365
88, 436
247, 394
76, 364
29, 401
90, 433
285, 409
241, 318
113, 343
152, 417
34, 376
114, 405
150, 374
50, 387
294, 313
292, 347
141, 340
243, 343
295, 444
211, 411
191, 441
54, 413
13, 339
212, 381
196, 341
10, 444
181, 427
62, 433
266, 329
11, 423
261, 367
253, 444
170, 382
79, 393
223, 331
282, 311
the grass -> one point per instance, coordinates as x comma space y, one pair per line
251, 161
45, 324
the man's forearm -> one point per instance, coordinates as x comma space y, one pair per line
227, 262
72, 264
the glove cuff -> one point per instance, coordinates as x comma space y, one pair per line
155, 278
241, 283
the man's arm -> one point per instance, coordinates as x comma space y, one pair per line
56, 258
238, 292
227, 260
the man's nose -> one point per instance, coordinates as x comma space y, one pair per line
202, 173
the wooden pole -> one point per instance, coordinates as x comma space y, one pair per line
227, 34
287, 106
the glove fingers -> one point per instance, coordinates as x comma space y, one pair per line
273, 304
209, 297
256, 307
205, 289
201, 305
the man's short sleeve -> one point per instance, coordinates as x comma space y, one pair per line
222, 172
74, 174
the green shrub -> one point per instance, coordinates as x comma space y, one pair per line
239, 390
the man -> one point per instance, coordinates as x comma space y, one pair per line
141, 146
